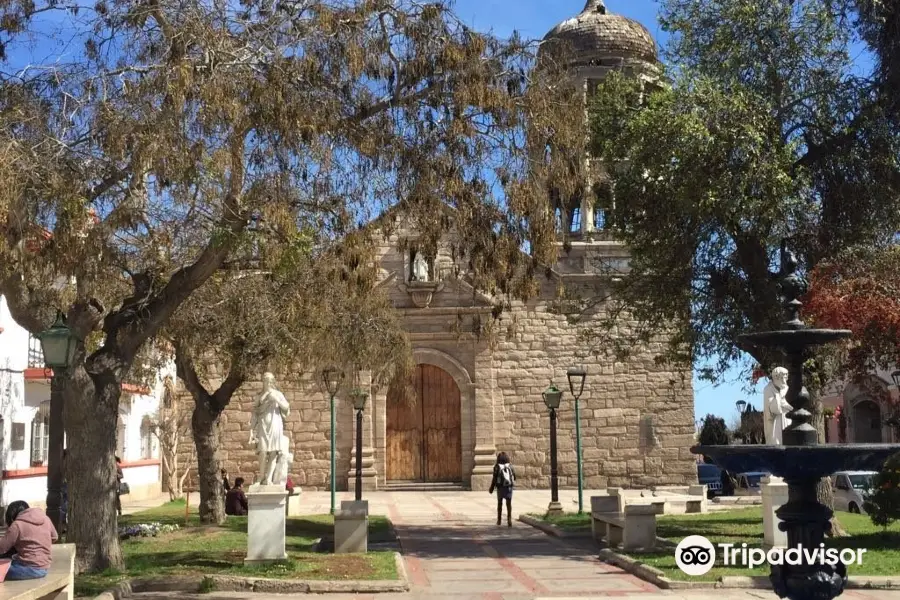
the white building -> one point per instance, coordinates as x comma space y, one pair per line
24, 422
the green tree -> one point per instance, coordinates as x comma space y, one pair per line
291, 312
713, 432
133, 170
882, 501
769, 130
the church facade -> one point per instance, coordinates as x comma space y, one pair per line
479, 381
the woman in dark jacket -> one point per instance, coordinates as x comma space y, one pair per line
504, 480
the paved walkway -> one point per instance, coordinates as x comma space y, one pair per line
455, 551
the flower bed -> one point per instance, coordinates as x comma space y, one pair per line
146, 530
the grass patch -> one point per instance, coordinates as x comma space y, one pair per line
203, 549
745, 526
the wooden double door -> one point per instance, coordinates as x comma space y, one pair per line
424, 431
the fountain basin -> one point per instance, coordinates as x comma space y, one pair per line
800, 462
795, 339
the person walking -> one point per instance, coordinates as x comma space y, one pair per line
119, 477
503, 481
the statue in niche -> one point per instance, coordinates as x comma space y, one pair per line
420, 268
775, 406
267, 428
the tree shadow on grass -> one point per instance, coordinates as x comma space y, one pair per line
738, 528
888, 540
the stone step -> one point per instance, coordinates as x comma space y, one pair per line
420, 486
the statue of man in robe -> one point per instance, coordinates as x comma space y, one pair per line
267, 428
775, 406
420, 267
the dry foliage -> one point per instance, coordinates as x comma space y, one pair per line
165, 139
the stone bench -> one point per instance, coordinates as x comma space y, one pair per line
633, 527
59, 584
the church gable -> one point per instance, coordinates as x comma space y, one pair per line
413, 278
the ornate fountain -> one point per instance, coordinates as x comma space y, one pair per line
801, 461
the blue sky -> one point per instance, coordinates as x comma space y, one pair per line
534, 18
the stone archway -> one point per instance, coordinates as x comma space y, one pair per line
867, 422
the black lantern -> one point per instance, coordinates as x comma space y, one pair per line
741, 405
58, 344
552, 397
359, 399
896, 377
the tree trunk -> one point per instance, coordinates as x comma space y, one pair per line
91, 419
206, 440
824, 491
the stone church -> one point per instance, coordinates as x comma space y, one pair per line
479, 396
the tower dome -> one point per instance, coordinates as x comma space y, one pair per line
597, 37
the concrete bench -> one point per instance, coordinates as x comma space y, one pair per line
59, 584
633, 527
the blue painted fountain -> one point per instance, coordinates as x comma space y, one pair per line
801, 461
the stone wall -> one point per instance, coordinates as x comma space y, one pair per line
308, 426
637, 421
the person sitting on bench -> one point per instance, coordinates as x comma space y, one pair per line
235, 500
29, 535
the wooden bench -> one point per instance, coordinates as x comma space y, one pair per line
632, 526
59, 584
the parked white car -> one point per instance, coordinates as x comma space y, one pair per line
748, 483
850, 488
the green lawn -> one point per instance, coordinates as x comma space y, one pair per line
745, 526
197, 550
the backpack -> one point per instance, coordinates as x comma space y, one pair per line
504, 475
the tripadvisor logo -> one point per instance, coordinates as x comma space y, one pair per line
696, 556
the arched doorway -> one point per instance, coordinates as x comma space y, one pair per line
424, 432
867, 422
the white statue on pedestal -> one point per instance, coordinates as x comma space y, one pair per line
267, 428
420, 268
775, 406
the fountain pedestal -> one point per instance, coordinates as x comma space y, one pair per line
774, 493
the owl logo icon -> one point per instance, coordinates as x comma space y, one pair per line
695, 555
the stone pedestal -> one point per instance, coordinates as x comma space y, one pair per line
351, 527
293, 504
774, 492
554, 508
266, 524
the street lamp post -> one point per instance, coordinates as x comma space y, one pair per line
576, 376
894, 419
359, 403
58, 345
332, 378
552, 397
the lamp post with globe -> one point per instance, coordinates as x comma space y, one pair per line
58, 344
552, 397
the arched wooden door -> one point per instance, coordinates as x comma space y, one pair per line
424, 433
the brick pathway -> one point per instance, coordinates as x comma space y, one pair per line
454, 550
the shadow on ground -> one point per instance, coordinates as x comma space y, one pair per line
444, 540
